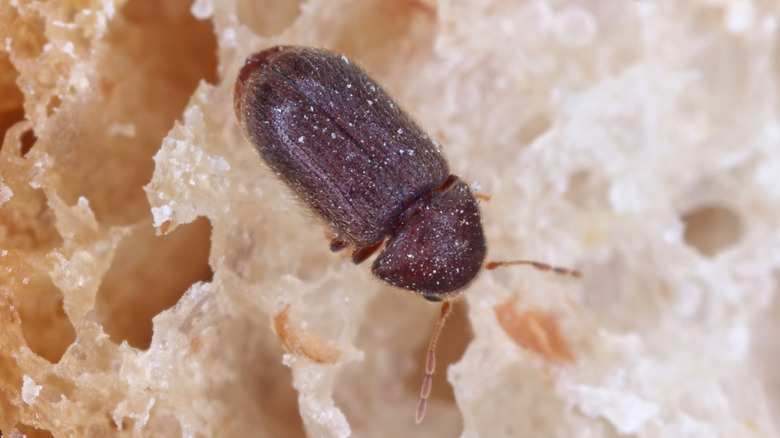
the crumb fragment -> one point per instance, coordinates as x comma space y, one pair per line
534, 330
30, 390
300, 340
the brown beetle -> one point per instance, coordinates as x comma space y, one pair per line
367, 169
364, 166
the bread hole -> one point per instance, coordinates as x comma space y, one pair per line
394, 336
148, 275
171, 46
268, 17
157, 55
12, 105
45, 326
28, 139
273, 401
454, 339
11, 97
712, 229
28, 431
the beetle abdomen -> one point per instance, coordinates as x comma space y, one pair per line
337, 139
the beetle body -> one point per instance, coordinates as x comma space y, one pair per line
336, 138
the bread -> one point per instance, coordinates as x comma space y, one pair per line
157, 279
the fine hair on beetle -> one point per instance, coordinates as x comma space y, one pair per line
369, 172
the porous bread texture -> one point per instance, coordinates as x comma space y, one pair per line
158, 281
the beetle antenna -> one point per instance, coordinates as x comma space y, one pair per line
538, 265
430, 362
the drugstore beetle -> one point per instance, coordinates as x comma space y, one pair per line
369, 171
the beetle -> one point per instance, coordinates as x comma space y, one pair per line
338, 140
368, 170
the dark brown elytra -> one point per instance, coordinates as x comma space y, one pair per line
368, 170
